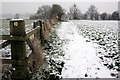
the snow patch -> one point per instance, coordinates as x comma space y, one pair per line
80, 58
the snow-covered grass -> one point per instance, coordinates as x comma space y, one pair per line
81, 58
105, 34
53, 53
87, 46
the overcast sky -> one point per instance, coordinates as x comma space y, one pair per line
31, 6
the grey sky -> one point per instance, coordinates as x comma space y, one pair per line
31, 7
60, 0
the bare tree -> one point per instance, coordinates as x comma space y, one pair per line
115, 15
57, 11
92, 12
75, 12
104, 16
47, 12
43, 12
84, 16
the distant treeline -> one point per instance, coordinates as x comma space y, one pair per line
74, 13
48, 12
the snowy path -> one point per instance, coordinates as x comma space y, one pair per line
80, 56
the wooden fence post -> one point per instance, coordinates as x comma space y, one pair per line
18, 49
38, 33
41, 25
34, 26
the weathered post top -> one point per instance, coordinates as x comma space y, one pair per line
18, 49
40, 21
17, 27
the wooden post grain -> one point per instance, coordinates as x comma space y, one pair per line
36, 24
18, 49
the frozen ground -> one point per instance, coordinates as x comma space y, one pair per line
80, 57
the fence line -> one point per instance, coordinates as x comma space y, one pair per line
18, 38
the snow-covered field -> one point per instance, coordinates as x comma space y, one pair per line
81, 52
90, 48
105, 34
